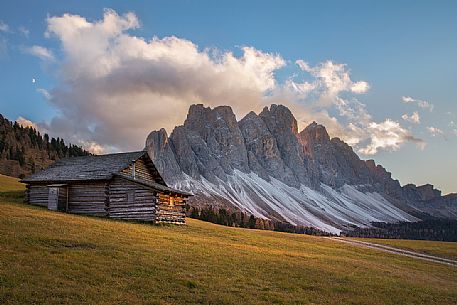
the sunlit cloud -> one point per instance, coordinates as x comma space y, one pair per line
40, 52
434, 131
413, 118
388, 135
26, 123
116, 87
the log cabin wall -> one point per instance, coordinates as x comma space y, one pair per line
37, 194
95, 185
170, 209
88, 198
131, 201
62, 199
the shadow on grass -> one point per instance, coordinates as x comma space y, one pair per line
19, 197
13, 196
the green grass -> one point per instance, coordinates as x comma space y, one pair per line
437, 248
10, 189
54, 258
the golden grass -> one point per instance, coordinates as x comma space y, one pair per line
54, 258
437, 248
8, 184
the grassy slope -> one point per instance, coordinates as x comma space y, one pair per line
50, 257
437, 248
8, 184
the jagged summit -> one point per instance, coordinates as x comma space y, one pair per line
263, 165
316, 132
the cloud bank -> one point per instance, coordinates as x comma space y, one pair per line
116, 87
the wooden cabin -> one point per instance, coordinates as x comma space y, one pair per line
122, 186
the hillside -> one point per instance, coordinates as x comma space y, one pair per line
10, 184
441, 249
55, 258
263, 165
24, 150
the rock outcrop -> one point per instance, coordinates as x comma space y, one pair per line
265, 166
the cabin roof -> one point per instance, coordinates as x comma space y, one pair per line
101, 167
153, 185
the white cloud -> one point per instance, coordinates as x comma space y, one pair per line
124, 86
388, 135
407, 99
117, 87
434, 131
420, 103
331, 79
93, 147
360, 87
26, 123
4, 27
44, 92
39, 51
413, 118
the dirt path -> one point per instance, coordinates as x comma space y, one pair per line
394, 250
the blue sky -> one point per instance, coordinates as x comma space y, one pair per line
400, 48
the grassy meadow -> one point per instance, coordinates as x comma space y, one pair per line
55, 258
436, 248
9, 184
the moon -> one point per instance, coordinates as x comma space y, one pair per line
33, 80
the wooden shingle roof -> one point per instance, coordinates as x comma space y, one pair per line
100, 167
153, 185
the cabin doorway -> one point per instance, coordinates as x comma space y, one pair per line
58, 197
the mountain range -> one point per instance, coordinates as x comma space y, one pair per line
263, 165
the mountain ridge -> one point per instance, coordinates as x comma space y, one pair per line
263, 165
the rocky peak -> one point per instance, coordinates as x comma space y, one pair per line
201, 118
160, 150
263, 153
283, 127
428, 191
378, 170
313, 135
316, 132
424, 192
231, 156
211, 143
160, 141
279, 118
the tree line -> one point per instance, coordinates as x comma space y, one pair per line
240, 219
31, 149
428, 229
